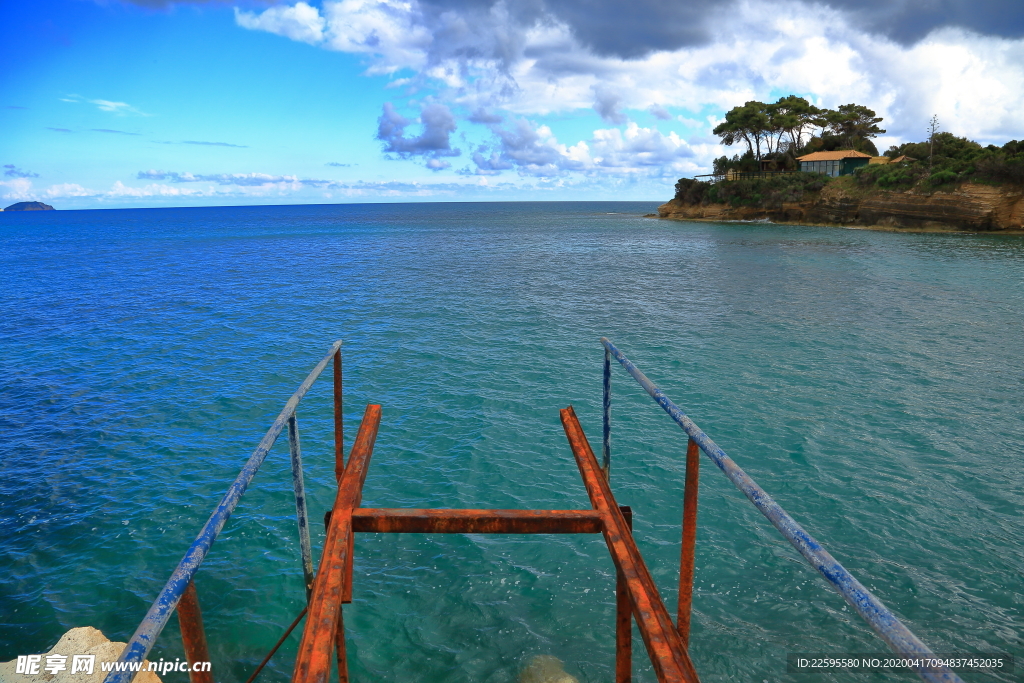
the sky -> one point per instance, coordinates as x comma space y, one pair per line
142, 103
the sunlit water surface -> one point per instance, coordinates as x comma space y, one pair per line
872, 382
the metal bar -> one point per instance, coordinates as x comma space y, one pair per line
339, 433
671, 663
152, 624
623, 618
606, 432
313, 664
300, 504
412, 521
870, 608
193, 636
686, 553
276, 647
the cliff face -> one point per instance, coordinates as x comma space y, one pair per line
970, 207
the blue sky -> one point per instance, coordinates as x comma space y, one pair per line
109, 103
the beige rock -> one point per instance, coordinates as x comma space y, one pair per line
545, 669
78, 641
970, 207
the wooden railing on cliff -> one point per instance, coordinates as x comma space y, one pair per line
736, 175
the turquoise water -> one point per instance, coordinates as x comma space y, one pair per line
870, 381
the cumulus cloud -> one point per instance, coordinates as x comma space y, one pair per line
12, 171
535, 151
299, 22
659, 112
19, 189
500, 63
607, 104
434, 142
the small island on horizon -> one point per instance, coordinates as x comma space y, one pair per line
29, 206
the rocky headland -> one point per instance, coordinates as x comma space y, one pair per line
971, 207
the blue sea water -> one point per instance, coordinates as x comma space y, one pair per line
872, 382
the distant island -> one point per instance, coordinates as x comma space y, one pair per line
837, 177
29, 206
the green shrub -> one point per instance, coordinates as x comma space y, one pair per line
691, 191
889, 176
766, 192
943, 177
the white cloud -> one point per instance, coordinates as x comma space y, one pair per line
67, 190
480, 57
635, 151
19, 189
120, 108
299, 22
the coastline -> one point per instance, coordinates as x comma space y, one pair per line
968, 208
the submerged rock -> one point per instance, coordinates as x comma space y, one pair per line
29, 206
78, 641
545, 669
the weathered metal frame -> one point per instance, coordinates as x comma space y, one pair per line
888, 627
636, 595
179, 591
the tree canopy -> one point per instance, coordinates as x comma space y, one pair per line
769, 130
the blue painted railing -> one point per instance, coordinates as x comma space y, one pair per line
870, 608
160, 612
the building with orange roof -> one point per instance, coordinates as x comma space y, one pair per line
837, 163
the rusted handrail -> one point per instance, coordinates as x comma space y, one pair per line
145, 635
877, 615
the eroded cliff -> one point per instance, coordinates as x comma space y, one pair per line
970, 207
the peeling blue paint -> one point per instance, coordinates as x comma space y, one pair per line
878, 616
156, 618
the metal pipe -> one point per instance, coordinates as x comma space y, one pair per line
193, 636
319, 638
870, 608
623, 618
276, 647
686, 552
415, 521
671, 662
339, 432
606, 431
153, 623
300, 505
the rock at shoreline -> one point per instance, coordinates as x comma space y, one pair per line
971, 207
29, 206
78, 641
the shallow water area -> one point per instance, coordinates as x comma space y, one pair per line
869, 381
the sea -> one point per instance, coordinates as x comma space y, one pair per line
871, 382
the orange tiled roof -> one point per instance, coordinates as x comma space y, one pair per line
833, 156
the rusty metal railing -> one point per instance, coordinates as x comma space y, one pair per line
888, 627
323, 638
179, 592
